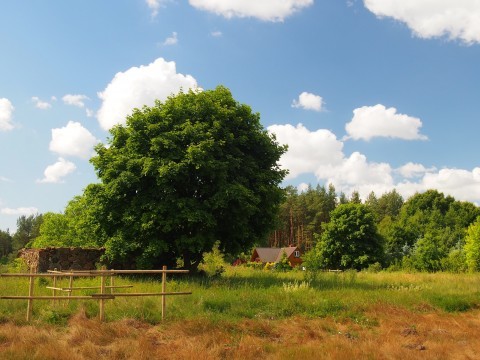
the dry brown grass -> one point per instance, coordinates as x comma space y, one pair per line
393, 333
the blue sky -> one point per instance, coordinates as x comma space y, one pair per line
369, 95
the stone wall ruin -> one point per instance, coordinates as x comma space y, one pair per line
73, 258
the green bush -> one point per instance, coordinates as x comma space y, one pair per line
213, 263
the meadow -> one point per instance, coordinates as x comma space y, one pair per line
255, 314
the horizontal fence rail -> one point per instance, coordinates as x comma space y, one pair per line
100, 297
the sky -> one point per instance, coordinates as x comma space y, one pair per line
369, 95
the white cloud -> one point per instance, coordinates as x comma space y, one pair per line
455, 19
56, 172
308, 101
172, 40
5, 179
321, 153
272, 10
307, 150
462, 184
412, 170
75, 100
356, 173
378, 121
89, 112
216, 33
155, 6
302, 187
73, 140
27, 211
39, 104
139, 86
6, 111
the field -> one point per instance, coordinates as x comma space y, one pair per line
253, 314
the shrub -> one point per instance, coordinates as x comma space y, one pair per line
213, 263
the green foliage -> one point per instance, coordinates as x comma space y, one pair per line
283, 264
183, 174
427, 254
472, 246
18, 265
76, 227
53, 231
455, 262
213, 263
302, 214
350, 239
5, 243
28, 228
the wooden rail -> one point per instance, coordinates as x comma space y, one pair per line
100, 297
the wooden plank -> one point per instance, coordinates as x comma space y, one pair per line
49, 297
153, 294
88, 287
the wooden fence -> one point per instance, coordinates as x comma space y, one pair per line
101, 296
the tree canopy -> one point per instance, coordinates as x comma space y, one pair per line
183, 174
349, 240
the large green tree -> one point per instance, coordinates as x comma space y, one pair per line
350, 239
183, 174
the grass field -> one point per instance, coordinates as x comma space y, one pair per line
252, 314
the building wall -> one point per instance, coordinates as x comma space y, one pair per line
61, 258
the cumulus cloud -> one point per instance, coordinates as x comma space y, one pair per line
139, 86
378, 121
27, 211
6, 111
320, 153
75, 100
462, 184
454, 19
172, 40
356, 173
40, 104
56, 172
308, 101
412, 170
73, 140
272, 10
307, 150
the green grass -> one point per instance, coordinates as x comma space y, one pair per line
244, 293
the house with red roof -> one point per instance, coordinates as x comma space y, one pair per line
274, 255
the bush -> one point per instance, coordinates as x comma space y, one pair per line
283, 264
213, 263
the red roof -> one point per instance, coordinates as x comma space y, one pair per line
272, 254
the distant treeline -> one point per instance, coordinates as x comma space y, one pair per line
427, 232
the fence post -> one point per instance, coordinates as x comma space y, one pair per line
70, 285
102, 291
112, 281
54, 291
30, 294
164, 283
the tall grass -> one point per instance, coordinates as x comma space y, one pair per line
244, 293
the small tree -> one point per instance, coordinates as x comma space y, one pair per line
472, 246
350, 239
